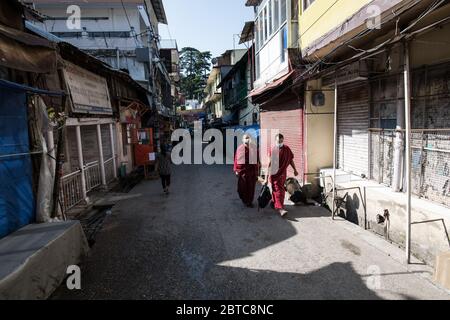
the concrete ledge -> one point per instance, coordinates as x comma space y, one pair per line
442, 274
430, 220
34, 259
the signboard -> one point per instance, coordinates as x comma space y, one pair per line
129, 116
89, 91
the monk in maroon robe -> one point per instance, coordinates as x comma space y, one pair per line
246, 167
281, 157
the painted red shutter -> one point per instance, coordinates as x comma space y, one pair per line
289, 123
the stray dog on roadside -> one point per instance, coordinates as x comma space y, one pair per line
294, 189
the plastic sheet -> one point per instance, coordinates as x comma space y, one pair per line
16, 193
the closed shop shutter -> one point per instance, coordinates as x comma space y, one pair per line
353, 125
289, 123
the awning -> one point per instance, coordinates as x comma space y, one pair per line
247, 33
253, 3
20, 87
158, 6
273, 85
23, 51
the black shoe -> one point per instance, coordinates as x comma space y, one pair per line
250, 205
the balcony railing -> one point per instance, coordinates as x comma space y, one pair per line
109, 170
235, 96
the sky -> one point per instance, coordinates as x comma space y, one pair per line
208, 25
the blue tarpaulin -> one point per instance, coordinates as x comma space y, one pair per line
16, 193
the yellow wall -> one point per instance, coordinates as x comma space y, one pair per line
316, 21
319, 123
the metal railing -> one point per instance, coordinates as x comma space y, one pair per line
236, 95
430, 164
430, 161
71, 190
109, 170
93, 176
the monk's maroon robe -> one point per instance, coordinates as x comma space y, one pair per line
246, 165
281, 158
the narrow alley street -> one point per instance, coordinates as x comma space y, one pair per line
201, 243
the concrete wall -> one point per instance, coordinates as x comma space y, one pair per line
117, 21
429, 239
319, 124
322, 16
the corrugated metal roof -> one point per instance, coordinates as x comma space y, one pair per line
42, 33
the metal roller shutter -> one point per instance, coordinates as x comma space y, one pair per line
289, 123
353, 125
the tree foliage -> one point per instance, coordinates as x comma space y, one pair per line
195, 66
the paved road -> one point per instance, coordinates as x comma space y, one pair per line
201, 243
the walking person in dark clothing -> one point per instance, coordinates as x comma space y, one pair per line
246, 167
163, 165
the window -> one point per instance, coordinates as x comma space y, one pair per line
283, 11
269, 18
284, 40
307, 3
265, 24
257, 67
257, 34
260, 34
276, 14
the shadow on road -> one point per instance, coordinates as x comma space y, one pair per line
184, 246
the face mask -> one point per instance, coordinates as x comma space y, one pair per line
246, 141
280, 145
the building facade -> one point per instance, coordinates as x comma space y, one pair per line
213, 101
236, 86
276, 66
377, 78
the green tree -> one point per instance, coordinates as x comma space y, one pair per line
195, 66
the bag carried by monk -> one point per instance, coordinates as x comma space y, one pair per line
265, 196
